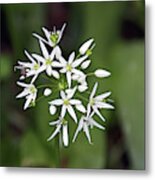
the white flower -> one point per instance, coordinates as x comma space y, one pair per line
87, 47
52, 38
70, 67
60, 124
29, 92
84, 124
101, 73
97, 102
48, 60
67, 102
47, 92
32, 68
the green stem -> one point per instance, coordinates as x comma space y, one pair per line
57, 145
90, 74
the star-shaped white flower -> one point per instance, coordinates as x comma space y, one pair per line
29, 92
97, 102
52, 38
48, 60
67, 104
70, 67
32, 68
84, 123
61, 123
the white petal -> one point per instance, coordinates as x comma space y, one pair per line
104, 105
88, 110
44, 50
63, 111
80, 108
68, 76
65, 134
82, 88
75, 77
85, 46
85, 64
94, 123
24, 64
63, 95
52, 123
40, 38
57, 102
56, 64
98, 113
55, 74
78, 72
71, 57
62, 60
22, 84
49, 70
77, 62
34, 78
47, 33
71, 92
72, 113
52, 109
22, 94
58, 52
29, 56
55, 133
63, 70
61, 31
103, 96
80, 126
102, 73
53, 53
47, 92
93, 91
38, 58
86, 130
75, 101
28, 101
22, 77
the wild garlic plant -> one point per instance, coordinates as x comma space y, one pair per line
64, 83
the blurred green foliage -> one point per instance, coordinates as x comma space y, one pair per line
119, 49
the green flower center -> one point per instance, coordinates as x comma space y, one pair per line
69, 67
54, 38
48, 62
66, 102
89, 52
32, 89
62, 85
36, 67
92, 102
64, 122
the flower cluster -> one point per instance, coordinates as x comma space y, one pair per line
64, 82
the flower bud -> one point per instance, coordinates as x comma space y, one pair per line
85, 64
83, 49
47, 92
102, 73
52, 109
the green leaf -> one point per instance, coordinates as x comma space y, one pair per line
127, 82
33, 152
5, 66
